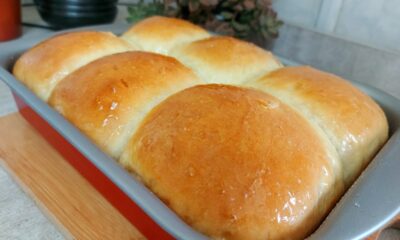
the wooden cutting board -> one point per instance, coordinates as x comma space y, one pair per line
59, 190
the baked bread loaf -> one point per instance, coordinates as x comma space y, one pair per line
109, 97
226, 60
43, 66
267, 158
236, 163
161, 34
353, 122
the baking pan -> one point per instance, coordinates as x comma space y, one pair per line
371, 202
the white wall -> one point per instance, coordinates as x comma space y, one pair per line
372, 22
303, 12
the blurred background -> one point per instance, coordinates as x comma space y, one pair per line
371, 22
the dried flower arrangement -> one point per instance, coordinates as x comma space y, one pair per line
248, 19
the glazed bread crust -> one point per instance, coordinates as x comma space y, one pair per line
226, 60
108, 98
266, 158
161, 34
354, 123
43, 66
235, 163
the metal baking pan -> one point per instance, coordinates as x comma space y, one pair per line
371, 202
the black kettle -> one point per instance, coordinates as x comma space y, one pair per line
74, 13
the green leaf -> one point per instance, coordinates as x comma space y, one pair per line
225, 4
183, 2
245, 16
194, 5
227, 15
140, 11
131, 10
239, 27
264, 33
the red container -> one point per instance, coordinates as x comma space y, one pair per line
10, 19
133, 213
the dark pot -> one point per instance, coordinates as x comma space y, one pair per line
74, 13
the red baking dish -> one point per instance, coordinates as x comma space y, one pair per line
145, 224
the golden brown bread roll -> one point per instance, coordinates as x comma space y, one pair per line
236, 163
354, 123
44, 65
161, 34
266, 160
109, 97
226, 60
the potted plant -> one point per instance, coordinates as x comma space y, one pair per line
252, 20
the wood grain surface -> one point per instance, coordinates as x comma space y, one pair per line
59, 190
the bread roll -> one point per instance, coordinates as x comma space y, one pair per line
354, 123
226, 60
236, 163
161, 34
44, 65
265, 159
107, 98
